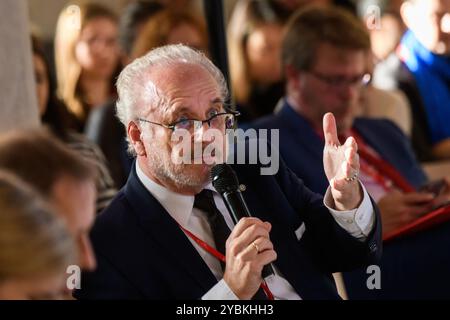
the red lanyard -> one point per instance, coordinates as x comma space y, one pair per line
221, 257
369, 170
382, 171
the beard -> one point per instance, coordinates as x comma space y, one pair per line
194, 176
186, 165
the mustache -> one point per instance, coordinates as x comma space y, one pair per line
199, 153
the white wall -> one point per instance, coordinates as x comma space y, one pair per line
18, 105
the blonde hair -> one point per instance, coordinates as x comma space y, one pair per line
246, 17
34, 242
156, 31
72, 19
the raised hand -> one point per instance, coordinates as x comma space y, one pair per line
341, 164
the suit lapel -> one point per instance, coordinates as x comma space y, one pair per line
163, 230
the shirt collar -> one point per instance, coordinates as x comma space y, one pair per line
179, 206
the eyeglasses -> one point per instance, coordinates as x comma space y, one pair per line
221, 121
340, 81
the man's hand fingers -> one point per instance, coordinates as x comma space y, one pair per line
351, 153
352, 157
244, 223
265, 258
258, 260
250, 251
247, 237
414, 212
417, 197
330, 130
351, 143
349, 171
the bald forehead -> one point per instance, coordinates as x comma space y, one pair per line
178, 74
167, 84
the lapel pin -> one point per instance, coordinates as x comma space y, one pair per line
242, 187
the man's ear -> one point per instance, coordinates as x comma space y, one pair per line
406, 12
291, 73
292, 77
135, 137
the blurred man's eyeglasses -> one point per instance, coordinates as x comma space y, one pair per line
220, 121
340, 81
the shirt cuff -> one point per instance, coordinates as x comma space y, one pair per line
221, 291
358, 222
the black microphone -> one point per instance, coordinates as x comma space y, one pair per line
225, 181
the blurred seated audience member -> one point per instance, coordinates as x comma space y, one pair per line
171, 27
54, 115
59, 174
325, 57
131, 23
254, 43
285, 8
384, 104
420, 67
385, 34
35, 246
163, 27
102, 126
192, 6
86, 56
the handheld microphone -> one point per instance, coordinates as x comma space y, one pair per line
225, 181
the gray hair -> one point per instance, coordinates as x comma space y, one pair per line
132, 86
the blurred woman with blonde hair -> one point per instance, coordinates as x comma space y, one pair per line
87, 57
35, 247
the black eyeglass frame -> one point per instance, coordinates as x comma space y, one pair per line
172, 126
360, 80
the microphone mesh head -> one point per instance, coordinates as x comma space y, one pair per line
224, 178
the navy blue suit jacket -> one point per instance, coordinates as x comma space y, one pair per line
143, 254
415, 267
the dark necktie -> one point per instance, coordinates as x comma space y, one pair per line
219, 228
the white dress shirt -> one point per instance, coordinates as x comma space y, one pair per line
358, 222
